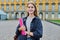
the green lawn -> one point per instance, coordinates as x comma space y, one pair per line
55, 21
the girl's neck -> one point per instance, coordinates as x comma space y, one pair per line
31, 15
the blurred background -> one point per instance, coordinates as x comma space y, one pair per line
12, 10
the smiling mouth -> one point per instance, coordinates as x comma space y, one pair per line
31, 10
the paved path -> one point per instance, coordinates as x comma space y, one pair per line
7, 29
50, 31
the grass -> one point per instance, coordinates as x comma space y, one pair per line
55, 21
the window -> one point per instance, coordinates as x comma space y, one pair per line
0, 17
47, 10
12, 7
46, 14
12, 0
17, 7
59, 7
59, 10
18, 0
41, 1
2, 7
52, 15
27, 0
46, 0
53, 7
7, 7
47, 7
53, 1
7, 0
22, 0
59, 15
40, 7
23, 7
2, 0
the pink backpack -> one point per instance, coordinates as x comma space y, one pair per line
21, 24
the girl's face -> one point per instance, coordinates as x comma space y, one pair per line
30, 8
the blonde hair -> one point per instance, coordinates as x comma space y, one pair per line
35, 12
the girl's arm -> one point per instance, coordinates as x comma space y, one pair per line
39, 30
17, 30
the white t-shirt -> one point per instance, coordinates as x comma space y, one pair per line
28, 22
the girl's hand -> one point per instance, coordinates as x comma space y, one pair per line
29, 33
22, 28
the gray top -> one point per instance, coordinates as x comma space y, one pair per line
28, 22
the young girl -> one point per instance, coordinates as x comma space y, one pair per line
32, 24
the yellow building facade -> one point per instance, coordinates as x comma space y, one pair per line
47, 9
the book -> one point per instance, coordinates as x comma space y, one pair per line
21, 25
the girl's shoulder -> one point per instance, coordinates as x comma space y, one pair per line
37, 18
24, 19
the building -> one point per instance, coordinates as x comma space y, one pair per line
47, 9
3, 15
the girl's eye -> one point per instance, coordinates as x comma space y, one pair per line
28, 7
31, 7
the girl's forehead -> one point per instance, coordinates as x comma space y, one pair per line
30, 5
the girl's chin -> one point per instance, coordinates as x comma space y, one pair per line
30, 12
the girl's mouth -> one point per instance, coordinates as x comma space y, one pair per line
30, 10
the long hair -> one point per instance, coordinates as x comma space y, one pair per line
35, 12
